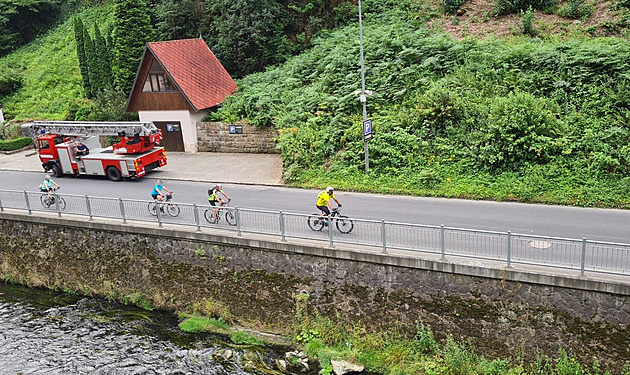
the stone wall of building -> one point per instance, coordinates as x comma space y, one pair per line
216, 137
503, 312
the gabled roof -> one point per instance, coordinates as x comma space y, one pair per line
195, 70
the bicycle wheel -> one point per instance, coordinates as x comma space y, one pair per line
208, 215
45, 202
62, 203
172, 209
344, 225
315, 222
152, 208
229, 217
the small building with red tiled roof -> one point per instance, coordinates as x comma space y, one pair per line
176, 85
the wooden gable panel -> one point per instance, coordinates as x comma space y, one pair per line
154, 101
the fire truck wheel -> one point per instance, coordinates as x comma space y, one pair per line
54, 168
114, 174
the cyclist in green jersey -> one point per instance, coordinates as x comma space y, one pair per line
323, 200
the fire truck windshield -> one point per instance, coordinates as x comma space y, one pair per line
43, 144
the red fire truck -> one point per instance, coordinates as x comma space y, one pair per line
135, 153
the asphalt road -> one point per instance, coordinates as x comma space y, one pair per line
558, 221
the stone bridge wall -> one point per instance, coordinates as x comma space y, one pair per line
216, 137
503, 312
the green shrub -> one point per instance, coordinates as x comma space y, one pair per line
424, 342
527, 22
503, 7
15, 144
451, 6
10, 82
577, 9
519, 129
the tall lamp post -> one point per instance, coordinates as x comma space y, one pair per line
367, 124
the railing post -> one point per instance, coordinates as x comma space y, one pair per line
196, 212
237, 215
158, 212
28, 204
57, 203
330, 231
583, 258
383, 236
442, 243
122, 210
1, 206
284, 239
89, 207
509, 249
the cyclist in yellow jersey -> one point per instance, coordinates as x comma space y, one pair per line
323, 200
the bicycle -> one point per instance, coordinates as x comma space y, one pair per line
171, 208
229, 215
48, 199
317, 222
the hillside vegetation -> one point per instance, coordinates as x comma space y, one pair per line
535, 120
529, 106
47, 73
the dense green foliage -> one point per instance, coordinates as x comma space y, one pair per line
249, 35
543, 121
15, 143
132, 30
21, 21
46, 73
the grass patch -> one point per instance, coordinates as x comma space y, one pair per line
397, 353
138, 300
240, 337
202, 324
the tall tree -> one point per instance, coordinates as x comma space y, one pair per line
79, 32
103, 61
92, 67
132, 30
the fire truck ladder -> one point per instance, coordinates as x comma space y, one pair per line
79, 128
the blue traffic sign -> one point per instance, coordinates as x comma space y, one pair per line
367, 129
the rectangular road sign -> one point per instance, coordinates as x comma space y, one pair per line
367, 129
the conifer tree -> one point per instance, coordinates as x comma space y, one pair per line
83, 66
103, 61
92, 65
132, 30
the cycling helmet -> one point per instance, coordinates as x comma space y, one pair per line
47, 177
330, 189
217, 186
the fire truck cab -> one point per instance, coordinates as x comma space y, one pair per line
132, 156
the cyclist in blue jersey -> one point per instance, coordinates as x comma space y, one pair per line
48, 186
158, 191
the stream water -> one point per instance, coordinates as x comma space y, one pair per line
44, 332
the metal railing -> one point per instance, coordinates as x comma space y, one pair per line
580, 255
